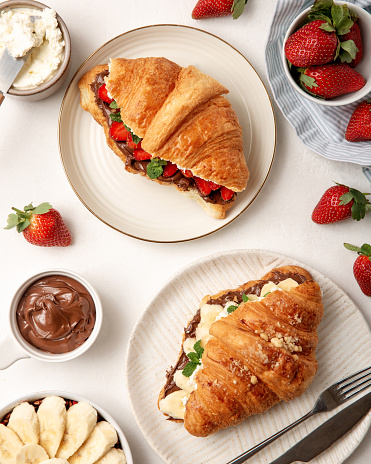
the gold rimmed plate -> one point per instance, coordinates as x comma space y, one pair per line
131, 204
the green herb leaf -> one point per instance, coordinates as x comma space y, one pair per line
115, 117
189, 369
155, 168
237, 8
231, 309
198, 348
245, 298
266, 294
135, 138
193, 357
113, 105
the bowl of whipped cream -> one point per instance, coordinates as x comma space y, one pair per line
30, 27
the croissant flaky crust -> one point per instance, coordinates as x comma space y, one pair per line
181, 116
261, 353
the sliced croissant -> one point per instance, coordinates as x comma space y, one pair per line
260, 353
181, 116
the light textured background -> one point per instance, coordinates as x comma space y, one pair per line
127, 272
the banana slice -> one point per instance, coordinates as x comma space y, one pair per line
52, 418
10, 445
113, 456
24, 422
80, 421
102, 438
31, 454
55, 461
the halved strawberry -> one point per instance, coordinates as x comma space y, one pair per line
187, 172
226, 193
170, 169
118, 131
213, 185
141, 155
132, 144
103, 94
203, 186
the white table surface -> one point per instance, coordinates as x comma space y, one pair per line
127, 272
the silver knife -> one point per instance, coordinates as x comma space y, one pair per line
326, 434
9, 70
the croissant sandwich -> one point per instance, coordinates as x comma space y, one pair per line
170, 124
244, 351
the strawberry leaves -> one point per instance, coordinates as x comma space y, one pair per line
237, 8
360, 206
21, 220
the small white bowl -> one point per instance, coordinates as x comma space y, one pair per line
71, 396
364, 67
15, 347
49, 87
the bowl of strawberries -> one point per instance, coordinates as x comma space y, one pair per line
326, 54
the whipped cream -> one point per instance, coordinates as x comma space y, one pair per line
19, 34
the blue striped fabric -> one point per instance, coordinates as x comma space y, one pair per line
321, 128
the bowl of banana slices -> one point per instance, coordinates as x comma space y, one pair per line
60, 428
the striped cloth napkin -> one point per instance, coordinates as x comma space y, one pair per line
321, 128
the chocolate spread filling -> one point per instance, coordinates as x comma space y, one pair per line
181, 181
234, 295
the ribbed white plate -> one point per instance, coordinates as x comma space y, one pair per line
344, 347
132, 204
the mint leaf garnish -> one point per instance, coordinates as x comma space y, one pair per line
245, 298
266, 294
155, 168
195, 359
189, 369
231, 309
113, 105
115, 117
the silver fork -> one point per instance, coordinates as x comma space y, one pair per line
333, 396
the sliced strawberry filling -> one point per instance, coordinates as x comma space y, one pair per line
155, 167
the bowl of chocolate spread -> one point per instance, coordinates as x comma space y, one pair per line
54, 316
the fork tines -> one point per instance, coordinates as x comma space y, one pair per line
354, 383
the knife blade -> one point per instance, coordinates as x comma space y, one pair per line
9, 69
326, 434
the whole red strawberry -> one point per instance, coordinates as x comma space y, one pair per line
359, 126
331, 80
313, 44
355, 35
216, 8
41, 225
362, 266
341, 202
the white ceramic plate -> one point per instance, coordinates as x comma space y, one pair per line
344, 347
130, 203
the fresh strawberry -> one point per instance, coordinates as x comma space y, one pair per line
103, 94
141, 155
313, 44
331, 80
226, 193
359, 126
203, 186
341, 202
131, 143
118, 131
41, 225
170, 169
187, 172
213, 185
216, 8
355, 35
362, 266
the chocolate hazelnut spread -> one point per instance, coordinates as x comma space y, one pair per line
181, 181
56, 314
234, 295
